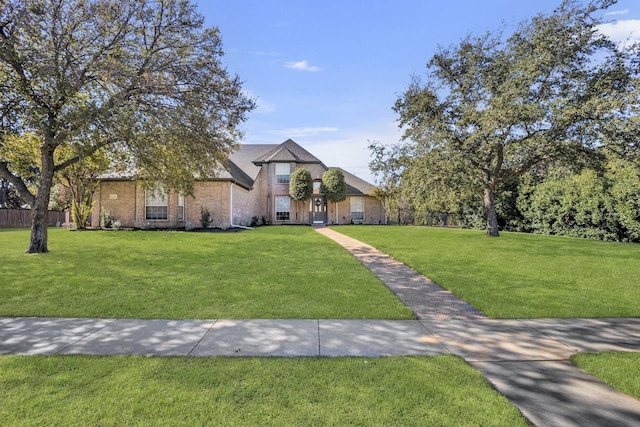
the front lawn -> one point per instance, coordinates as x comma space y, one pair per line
518, 275
270, 272
407, 391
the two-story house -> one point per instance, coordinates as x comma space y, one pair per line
255, 185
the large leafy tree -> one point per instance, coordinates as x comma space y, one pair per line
140, 76
493, 107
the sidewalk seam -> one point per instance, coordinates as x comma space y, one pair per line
87, 336
203, 337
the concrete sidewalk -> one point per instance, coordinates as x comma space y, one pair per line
477, 340
259, 337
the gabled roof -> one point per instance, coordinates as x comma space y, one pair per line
244, 158
245, 163
239, 175
288, 151
355, 185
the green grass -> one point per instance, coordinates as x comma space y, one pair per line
621, 370
408, 391
518, 275
270, 272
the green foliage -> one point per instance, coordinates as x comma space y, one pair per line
8, 196
80, 213
205, 217
592, 204
81, 180
624, 189
494, 107
333, 186
112, 74
300, 184
106, 220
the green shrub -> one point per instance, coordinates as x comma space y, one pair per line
106, 220
205, 217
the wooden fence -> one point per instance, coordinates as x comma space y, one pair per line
22, 218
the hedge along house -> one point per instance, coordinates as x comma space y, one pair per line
255, 185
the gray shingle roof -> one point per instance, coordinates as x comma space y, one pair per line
244, 165
355, 185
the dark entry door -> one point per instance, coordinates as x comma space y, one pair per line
318, 210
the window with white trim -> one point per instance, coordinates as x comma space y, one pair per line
357, 209
283, 173
180, 207
283, 208
156, 207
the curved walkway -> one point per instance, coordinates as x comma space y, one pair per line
526, 360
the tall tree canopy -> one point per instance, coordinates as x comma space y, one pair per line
493, 107
140, 76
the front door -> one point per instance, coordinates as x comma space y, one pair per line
318, 210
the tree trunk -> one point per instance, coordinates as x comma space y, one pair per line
40, 208
39, 220
492, 218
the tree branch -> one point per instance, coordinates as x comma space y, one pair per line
19, 185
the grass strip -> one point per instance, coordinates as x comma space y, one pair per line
518, 275
408, 391
621, 370
270, 272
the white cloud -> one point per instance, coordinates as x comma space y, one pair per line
617, 12
624, 32
303, 132
301, 66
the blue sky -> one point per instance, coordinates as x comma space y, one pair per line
326, 73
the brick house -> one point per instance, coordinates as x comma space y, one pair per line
255, 184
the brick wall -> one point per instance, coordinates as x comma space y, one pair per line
125, 200
373, 211
120, 199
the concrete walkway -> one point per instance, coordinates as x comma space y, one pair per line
425, 298
525, 360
